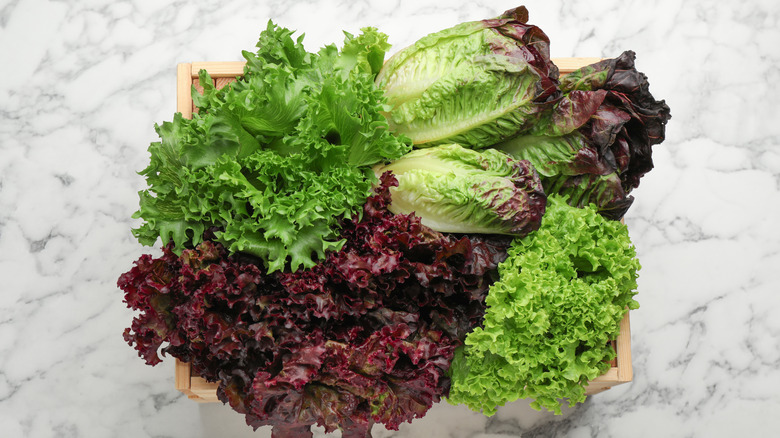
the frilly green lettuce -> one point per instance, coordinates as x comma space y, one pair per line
558, 303
274, 161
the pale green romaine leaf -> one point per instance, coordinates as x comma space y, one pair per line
459, 190
473, 84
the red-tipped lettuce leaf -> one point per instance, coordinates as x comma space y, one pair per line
596, 143
365, 336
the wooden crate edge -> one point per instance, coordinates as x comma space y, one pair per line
195, 388
219, 69
625, 366
568, 65
621, 373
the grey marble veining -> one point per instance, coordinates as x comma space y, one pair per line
83, 82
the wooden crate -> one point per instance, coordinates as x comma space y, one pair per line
222, 73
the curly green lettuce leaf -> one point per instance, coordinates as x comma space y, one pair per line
274, 161
562, 292
365, 52
473, 84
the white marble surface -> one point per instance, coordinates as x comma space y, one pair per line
83, 82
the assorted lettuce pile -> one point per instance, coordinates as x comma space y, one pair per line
325, 273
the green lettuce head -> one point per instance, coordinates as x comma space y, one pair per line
458, 190
561, 294
272, 163
474, 84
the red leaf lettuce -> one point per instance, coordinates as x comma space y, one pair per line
596, 143
365, 336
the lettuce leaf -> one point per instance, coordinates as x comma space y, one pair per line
457, 190
474, 84
366, 336
562, 292
275, 160
595, 143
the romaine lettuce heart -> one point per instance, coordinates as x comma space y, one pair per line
474, 84
458, 190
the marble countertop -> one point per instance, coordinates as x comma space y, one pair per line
83, 82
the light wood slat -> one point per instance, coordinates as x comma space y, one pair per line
183, 87
625, 368
228, 69
219, 83
610, 376
182, 377
568, 65
200, 384
205, 398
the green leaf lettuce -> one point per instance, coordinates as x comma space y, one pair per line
558, 303
275, 160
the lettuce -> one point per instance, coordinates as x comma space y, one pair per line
278, 158
288, 167
365, 336
562, 292
473, 84
458, 190
596, 142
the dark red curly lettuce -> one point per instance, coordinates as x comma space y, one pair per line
596, 142
366, 336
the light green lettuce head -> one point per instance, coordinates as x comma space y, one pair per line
273, 163
474, 84
459, 190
